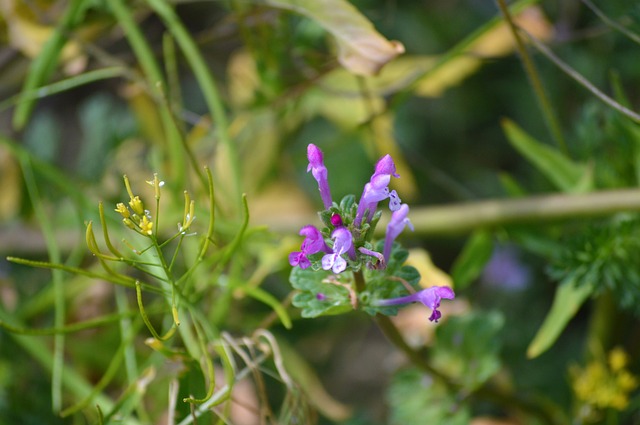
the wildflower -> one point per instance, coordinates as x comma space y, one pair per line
146, 226
319, 171
136, 205
378, 190
312, 244
396, 225
603, 384
380, 264
123, 210
342, 244
430, 297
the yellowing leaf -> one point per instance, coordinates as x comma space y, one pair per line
361, 49
385, 143
28, 35
497, 41
430, 274
11, 182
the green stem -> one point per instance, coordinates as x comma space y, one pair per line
469, 216
576, 76
207, 84
156, 86
58, 284
534, 78
45, 63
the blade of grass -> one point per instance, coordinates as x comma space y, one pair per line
576, 76
457, 50
207, 85
44, 64
534, 77
156, 85
63, 85
57, 279
72, 381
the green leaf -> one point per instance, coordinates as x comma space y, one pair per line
382, 285
414, 398
468, 347
566, 303
336, 298
471, 261
564, 173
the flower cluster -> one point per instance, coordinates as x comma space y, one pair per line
135, 216
344, 244
602, 385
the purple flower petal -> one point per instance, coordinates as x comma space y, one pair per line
314, 241
396, 225
334, 262
385, 165
319, 172
299, 259
430, 297
377, 190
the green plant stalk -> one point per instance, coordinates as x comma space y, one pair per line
58, 284
223, 393
64, 85
44, 64
419, 360
604, 325
157, 86
207, 84
107, 377
583, 81
530, 68
458, 50
468, 216
71, 380
105, 320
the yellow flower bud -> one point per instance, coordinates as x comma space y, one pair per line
136, 205
146, 226
617, 359
123, 210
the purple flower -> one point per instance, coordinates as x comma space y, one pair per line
381, 264
430, 297
342, 244
385, 165
313, 243
319, 171
396, 225
377, 190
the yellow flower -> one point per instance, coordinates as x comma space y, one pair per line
136, 205
605, 383
146, 226
123, 210
617, 359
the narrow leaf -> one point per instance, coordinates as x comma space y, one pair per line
566, 303
471, 261
564, 173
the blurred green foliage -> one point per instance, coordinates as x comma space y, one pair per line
93, 90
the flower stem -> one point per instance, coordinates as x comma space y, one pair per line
534, 78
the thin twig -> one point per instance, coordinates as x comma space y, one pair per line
580, 79
534, 77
